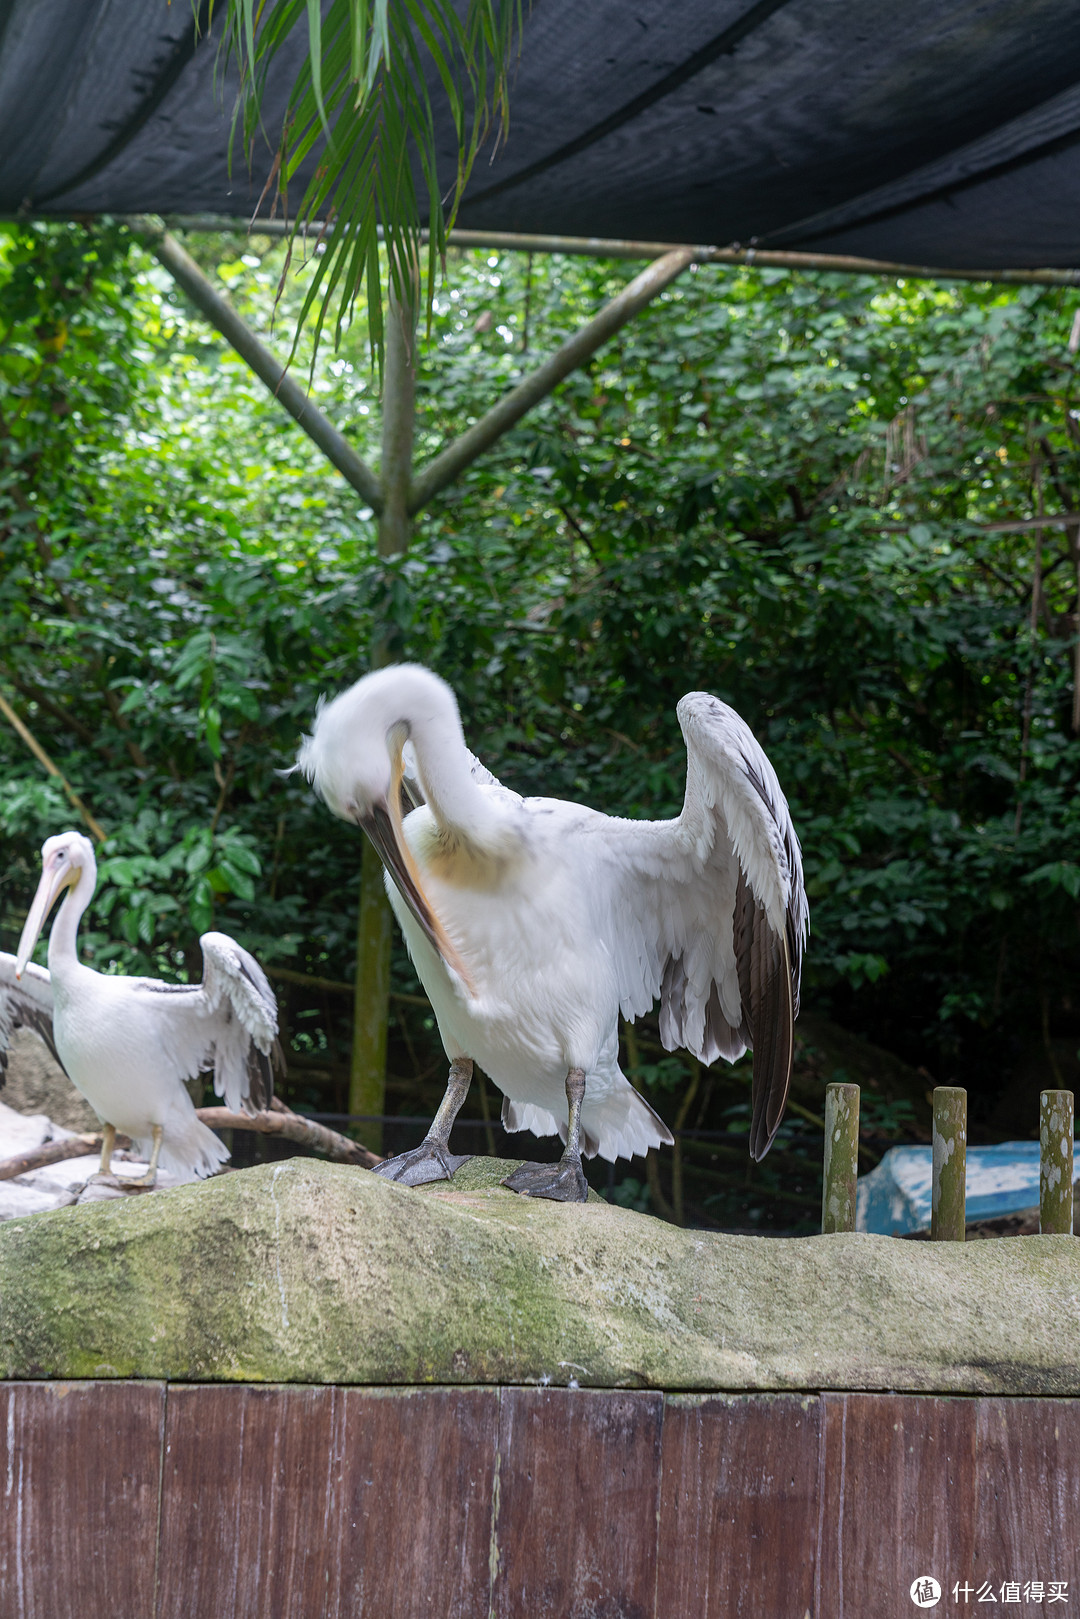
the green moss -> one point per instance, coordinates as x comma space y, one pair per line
317, 1272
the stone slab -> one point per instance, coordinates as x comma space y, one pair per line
321, 1273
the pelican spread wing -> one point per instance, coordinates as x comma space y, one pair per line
25, 1003
228, 1022
708, 911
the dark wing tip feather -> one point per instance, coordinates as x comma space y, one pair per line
261, 1071
766, 989
23, 1014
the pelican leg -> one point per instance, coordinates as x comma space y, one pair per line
108, 1147
565, 1181
151, 1170
432, 1160
103, 1175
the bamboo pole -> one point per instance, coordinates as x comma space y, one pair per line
398, 418
949, 1192
1056, 1162
611, 247
841, 1158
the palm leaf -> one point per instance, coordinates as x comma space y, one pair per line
361, 102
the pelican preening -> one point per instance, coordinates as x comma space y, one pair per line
532, 922
128, 1044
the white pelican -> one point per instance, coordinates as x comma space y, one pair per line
533, 922
128, 1044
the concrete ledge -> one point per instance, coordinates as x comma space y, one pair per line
320, 1273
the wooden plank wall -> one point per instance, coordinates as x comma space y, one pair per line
185, 1501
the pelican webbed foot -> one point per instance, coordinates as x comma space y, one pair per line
432, 1160
143, 1183
137, 1183
565, 1181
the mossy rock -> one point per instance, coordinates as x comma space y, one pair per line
314, 1272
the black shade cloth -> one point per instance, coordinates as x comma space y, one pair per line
942, 132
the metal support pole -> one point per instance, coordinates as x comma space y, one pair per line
266, 366
452, 461
371, 1002
841, 1158
949, 1194
1056, 1162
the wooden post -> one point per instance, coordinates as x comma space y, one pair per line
374, 934
950, 1164
841, 1158
1056, 1162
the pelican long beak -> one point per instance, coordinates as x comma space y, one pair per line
54, 879
384, 827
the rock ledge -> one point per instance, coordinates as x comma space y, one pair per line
315, 1273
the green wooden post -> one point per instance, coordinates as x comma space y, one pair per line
950, 1164
371, 998
841, 1158
375, 927
1056, 1162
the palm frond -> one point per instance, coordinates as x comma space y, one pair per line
361, 105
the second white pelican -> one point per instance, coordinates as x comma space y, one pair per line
532, 922
128, 1044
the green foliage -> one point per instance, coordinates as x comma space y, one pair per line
364, 98
774, 487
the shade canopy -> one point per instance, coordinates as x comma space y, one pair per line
944, 132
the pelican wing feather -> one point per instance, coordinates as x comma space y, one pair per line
25, 1003
708, 911
227, 1023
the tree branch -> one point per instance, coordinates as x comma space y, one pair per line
53, 1152
293, 1127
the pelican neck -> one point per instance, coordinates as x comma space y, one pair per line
63, 950
453, 797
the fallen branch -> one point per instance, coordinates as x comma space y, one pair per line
294, 1127
53, 1152
280, 1122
